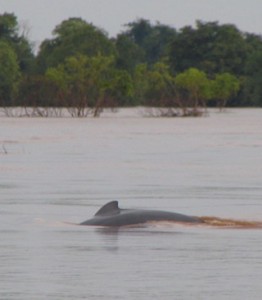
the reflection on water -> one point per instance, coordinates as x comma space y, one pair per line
146, 229
63, 170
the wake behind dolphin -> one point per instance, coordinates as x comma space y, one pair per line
110, 215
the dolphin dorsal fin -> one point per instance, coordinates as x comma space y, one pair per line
111, 208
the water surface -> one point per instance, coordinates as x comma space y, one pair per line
54, 172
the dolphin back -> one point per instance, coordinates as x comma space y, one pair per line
111, 215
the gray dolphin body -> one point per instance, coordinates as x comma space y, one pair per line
111, 215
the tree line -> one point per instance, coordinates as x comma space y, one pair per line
181, 72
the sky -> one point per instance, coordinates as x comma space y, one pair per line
42, 16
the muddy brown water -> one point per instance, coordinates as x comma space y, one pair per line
55, 173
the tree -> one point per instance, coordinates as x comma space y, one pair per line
71, 37
88, 84
39, 96
9, 74
139, 30
72, 78
210, 47
128, 53
224, 87
141, 85
9, 33
194, 89
120, 90
158, 43
153, 40
161, 92
155, 88
8, 26
253, 80
161, 86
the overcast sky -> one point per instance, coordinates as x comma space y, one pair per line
43, 15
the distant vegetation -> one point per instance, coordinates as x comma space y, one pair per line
181, 72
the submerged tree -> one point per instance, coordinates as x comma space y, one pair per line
193, 90
88, 84
224, 87
161, 86
39, 97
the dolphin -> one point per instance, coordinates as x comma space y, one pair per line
110, 215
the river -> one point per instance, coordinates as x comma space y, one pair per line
57, 172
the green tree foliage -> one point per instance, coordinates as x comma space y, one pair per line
73, 36
158, 43
194, 90
9, 74
129, 54
254, 43
161, 86
153, 40
161, 91
224, 87
141, 84
9, 33
8, 26
210, 47
89, 83
146, 64
120, 90
253, 82
38, 91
